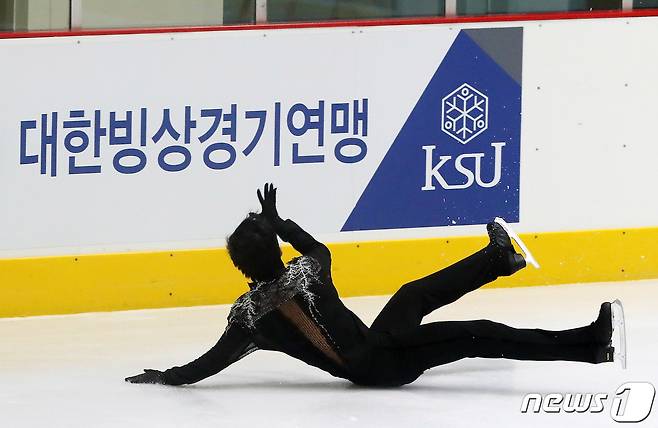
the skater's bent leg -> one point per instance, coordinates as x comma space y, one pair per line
433, 344
414, 300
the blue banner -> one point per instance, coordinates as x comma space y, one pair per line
456, 159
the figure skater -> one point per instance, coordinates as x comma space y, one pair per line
295, 309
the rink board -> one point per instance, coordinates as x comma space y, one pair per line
119, 186
108, 282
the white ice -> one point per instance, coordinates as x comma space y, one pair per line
68, 371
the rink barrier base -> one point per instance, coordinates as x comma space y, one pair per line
109, 282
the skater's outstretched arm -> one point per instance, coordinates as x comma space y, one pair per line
289, 231
234, 344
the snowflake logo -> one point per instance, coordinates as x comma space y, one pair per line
464, 113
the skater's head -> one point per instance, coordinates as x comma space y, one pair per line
254, 249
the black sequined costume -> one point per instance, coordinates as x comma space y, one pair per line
301, 315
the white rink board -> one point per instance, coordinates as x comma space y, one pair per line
587, 156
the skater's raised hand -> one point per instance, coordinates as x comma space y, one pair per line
268, 202
149, 376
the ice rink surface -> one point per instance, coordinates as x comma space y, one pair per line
68, 371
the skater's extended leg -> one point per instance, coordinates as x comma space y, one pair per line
405, 355
414, 300
438, 343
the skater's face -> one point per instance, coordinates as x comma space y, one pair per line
254, 249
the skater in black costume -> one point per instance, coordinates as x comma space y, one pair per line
295, 309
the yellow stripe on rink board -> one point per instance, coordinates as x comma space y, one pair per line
72, 284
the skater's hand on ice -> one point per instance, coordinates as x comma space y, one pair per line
149, 376
268, 202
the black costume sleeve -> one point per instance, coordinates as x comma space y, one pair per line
234, 344
303, 242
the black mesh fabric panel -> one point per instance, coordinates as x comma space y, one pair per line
310, 329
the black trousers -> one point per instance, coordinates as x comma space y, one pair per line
410, 348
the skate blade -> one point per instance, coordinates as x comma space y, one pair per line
619, 332
526, 252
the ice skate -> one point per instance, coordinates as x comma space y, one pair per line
603, 334
618, 339
498, 237
605, 354
603, 325
510, 232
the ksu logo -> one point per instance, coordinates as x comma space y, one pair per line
465, 113
456, 160
464, 116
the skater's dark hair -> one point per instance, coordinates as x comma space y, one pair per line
254, 249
